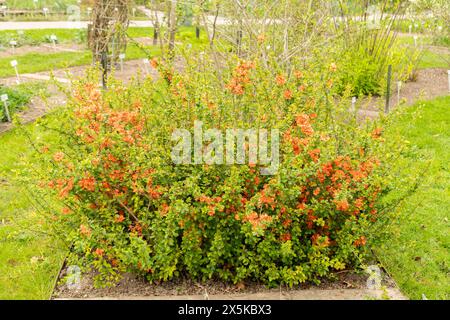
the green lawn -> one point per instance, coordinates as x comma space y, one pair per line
429, 58
36, 62
417, 254
29, 259
29, 4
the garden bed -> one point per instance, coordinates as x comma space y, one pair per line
346, 285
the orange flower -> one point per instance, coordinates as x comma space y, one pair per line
342, 205
58, 157
359, 203
298, 74
120, 218
280, 79
87, 183
314, 154
377, 133
285, 237
154, 63
303, 121
287, 94
164, 209
261, 38
99, 252
333, 67
85, 231
360, 242
64, 192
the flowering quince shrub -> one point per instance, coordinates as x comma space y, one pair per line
125, 206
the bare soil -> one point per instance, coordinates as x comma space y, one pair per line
9, 52
132, 286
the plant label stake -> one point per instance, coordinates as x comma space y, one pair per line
4, 98
45, 10
448, 72
121, 57
134, 12
35, 3
146, 65
14, 65
13, 44
399, 86
388, 89
410, 29
53, 39
353, 104
415, 41
104, 69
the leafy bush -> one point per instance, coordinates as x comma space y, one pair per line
368, 47
128, 207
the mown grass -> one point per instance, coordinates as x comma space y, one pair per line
417, 254
29, 258
37, 62
430, 58
29, 4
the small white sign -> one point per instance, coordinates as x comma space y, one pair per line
13, 43
146, 61
122, 56
4, 97
53, 37
14, 63
20, 32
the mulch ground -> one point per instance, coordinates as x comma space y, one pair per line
132, 286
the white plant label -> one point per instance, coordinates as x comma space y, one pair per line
13, 43
448, 72
353, 103
53, 38
14, 63
4, 99
146, 64
121, 57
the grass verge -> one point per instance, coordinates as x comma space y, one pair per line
29, 258
417, 254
